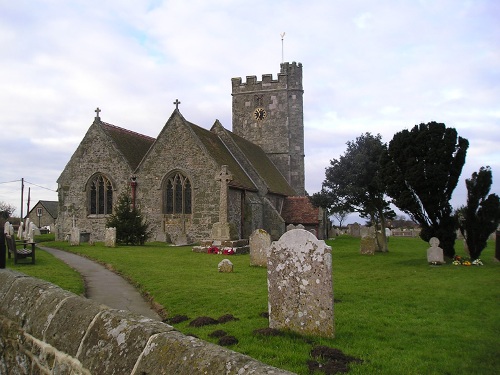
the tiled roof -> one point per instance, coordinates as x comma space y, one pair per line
222, 156
132, 145
299, 210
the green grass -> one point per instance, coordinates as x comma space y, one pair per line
48, 268
393, 310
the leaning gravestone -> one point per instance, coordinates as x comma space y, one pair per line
300, 286
110, 237
259, 242
435, 253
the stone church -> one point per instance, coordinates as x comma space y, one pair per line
188, 181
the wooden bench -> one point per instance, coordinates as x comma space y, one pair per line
27, 250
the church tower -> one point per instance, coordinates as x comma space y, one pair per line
270, 113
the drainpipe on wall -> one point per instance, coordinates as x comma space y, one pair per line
133, 185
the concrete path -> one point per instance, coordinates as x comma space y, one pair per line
104, 286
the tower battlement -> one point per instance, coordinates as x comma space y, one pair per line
290, 77
270, 113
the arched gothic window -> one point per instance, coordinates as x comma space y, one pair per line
177, 194
100, 196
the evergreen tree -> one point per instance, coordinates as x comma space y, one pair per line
352, 183
128, 221
481, 216
421, 169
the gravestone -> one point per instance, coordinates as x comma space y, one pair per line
20, 231
225, 265
355, 230
260, 242
435, 253
368, 244
300, 286
74, 238
110, 237
290, 227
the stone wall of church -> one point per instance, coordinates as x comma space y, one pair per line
93, 155
189, 159
46, 330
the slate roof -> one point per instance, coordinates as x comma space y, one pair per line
50, 206
132, 145
299, 210
274, 180
222, 156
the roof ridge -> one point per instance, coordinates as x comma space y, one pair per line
106, 124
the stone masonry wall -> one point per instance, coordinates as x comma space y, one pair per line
46, 330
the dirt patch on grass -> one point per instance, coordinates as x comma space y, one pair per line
264, 314
228, 340
330, 360
203, 321
176, 319
218, 333
226, 318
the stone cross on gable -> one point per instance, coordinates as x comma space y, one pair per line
177, 102
224, 177
97, 111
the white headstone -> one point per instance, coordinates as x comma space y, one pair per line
435, 253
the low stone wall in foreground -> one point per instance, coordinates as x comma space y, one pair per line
47, 330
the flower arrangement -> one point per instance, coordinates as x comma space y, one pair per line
461, 261
224, 251
213, 250
228, 251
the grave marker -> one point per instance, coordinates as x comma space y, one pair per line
300, 286
260, 242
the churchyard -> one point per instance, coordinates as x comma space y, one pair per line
393, 311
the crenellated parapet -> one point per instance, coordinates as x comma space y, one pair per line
289, 77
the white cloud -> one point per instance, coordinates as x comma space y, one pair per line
374, 67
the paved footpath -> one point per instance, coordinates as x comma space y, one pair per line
105, 286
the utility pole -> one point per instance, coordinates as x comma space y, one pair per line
22, 195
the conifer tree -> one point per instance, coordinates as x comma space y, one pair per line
481, 216
131, 229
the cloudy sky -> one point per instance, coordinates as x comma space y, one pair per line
369, 66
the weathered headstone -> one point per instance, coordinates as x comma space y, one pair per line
74, 239
225, 265
290, 227
435, 253
368, 244
110, 237
260, 242
300, 286
355, 230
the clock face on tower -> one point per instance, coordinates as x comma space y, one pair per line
259, 114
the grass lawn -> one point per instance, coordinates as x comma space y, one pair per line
393, 311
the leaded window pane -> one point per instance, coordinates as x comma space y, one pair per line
169, 195
178, 195
187, 197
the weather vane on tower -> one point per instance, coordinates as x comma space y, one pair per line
282, 36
